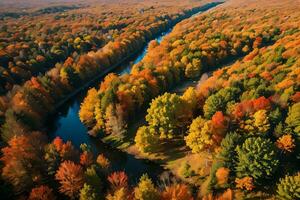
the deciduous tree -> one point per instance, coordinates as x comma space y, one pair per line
71, 178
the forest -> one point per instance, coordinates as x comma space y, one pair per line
215, 102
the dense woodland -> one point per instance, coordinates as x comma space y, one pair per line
36, 98
239, 130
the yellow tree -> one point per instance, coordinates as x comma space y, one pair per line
87, 108
200, 135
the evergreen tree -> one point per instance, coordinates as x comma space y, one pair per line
257, 158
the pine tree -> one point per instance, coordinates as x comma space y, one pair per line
257, 158
227, 153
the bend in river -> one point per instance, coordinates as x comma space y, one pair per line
66, 125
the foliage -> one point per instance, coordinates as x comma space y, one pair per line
256, 158
286, 143
86, 113
222, 175
118, 180
245, 183
88, 193
145, 189
258, 124
186, 171
198, 137
176, 192
293, 118
288, 187
71, 178
146, 139
42, 192
23, 161
120, 194
218, 101
227, 152
103, 162
168, 113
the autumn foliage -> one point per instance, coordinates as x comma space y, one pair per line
71, 178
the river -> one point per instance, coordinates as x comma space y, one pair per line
66, 125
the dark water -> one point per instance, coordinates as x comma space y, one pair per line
66, 124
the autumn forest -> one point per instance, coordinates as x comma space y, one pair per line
150, 100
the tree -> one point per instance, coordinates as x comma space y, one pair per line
103, 162
190, 96
193, 69
218, 101
213, 104
286, 143
23, 162
69, 76
227, 154
42, 192
118, 180
293, 118
258, 124
201, 135
71, 178
88, 193
120, 194
92, 178
289, 187
86, 158
219, 124
257, 158
115, 122
146, 190
176, 192
146, 139
87, 107
168, 113
245, 183
99, 117
222, 175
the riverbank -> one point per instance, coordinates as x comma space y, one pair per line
127, 59
67, 119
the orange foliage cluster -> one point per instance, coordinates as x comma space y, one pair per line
118, 180
177, 192
250, 106
42, 192
286, 143
71, 178
245, 183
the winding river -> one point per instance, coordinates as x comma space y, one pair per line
66, 124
